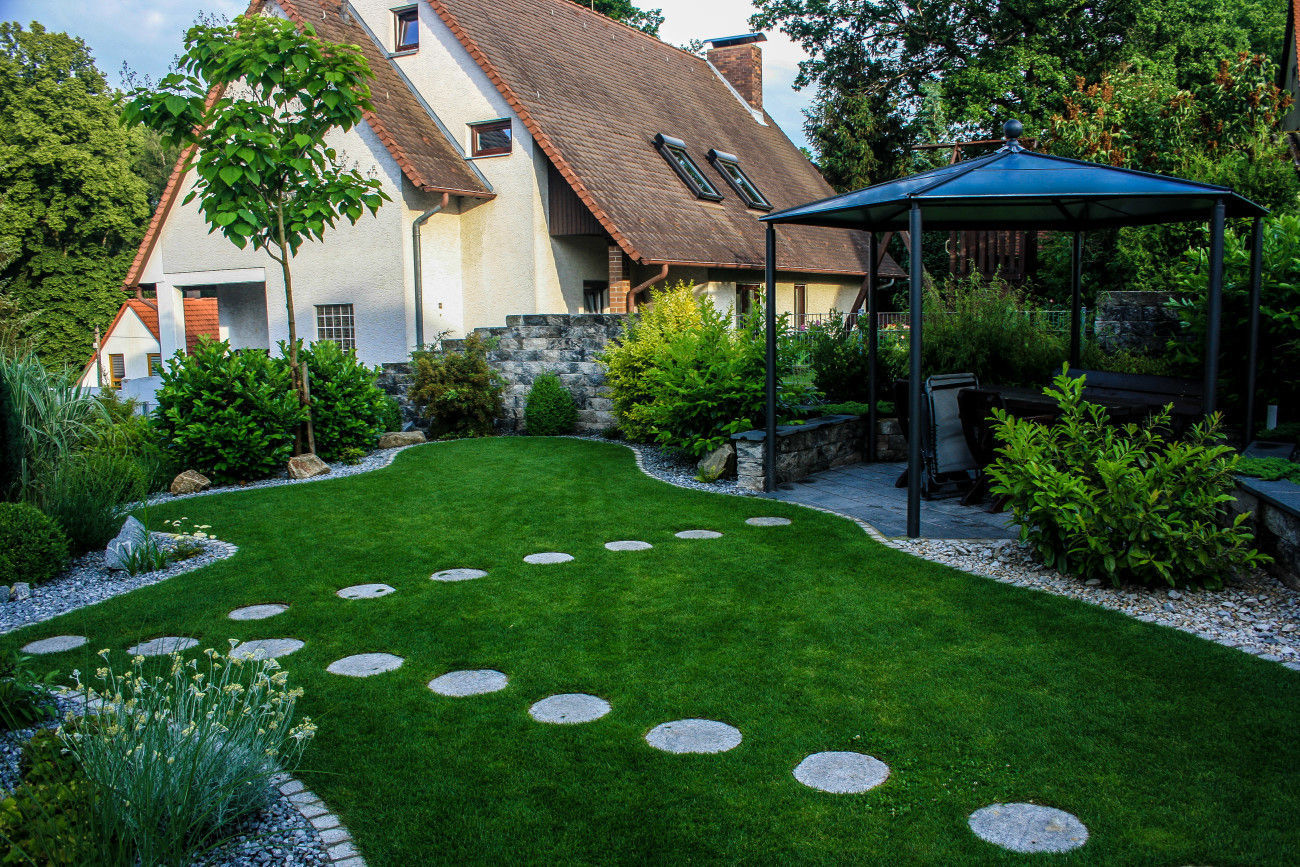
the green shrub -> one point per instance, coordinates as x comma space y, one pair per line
32, 547
348, 410
838, 357
127, 433
1093, 357
392, 419
175, 759
1285, 433
459, 392
1269, 469
551, 409
1121, 504
48, 819
86, 493
24, 697
229, 415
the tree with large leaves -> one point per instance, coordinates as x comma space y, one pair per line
626, 11
71, 207
256, 100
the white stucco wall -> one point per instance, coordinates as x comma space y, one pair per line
130, 339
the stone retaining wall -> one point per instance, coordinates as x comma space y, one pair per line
1277, 530
1135, 320
817, 444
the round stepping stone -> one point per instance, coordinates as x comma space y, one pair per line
547, 558
842, 773
258, 612
366, 591
163, 646
699, 534
267, 648
768, 522
459, 684
569, 708
365, 664
628, 545
57, 644
693, 736
458, 575
1028, 828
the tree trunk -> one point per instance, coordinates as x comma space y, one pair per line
299, 383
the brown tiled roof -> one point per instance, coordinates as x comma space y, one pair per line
147, 312
200, 321
594, 93
413, 138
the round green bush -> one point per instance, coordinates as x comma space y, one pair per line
348, 410
32, 547
551, 409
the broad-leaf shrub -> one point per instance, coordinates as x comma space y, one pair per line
128, 433
838, 356
459, 392
229, 415
175, 759
32, 547
348, 410
47, 819
551, 409
25, 697
1121, 503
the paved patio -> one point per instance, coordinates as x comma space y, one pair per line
867, 492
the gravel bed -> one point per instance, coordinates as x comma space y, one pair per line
338, 470
89, 581
671, 468
1255, 613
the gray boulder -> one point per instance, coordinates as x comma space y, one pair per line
190, 482
306, 467
717, 464
132, 535
398, 439
22, 591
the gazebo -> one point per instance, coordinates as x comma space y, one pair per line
1015, 188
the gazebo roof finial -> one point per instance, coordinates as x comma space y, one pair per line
1012, 130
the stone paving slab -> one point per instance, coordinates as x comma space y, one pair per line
628, 545
694, 736
57, 644
698, 534
768, 522
547, 558
459, 684
365, 664
267, 648
458, 575
1028, 828
163, 646
841, 773
258, 612
569, 709
365, 591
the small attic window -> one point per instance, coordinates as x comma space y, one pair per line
492, 138
674, 151
730, 168
407, 21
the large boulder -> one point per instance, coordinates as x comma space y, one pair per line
717, 464
307, 467
397, 439
190, 482
132, 535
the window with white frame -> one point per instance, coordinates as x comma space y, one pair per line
335, 322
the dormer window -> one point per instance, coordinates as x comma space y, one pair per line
674, 151
408, 28
491, 138
730, 168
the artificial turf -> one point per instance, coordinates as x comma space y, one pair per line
810, 637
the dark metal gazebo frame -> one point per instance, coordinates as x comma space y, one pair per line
1017, 189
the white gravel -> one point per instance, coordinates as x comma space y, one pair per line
1256, 614
89, 581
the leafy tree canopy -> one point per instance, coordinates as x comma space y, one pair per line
648, 20
71, 207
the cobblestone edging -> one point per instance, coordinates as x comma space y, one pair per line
333, 834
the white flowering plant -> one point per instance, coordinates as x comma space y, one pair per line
176, 758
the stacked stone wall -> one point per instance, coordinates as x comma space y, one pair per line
1138, 321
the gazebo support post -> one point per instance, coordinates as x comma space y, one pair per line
914, 384
769, 318
1252, 354
1214, 308
872, 348
1076, 300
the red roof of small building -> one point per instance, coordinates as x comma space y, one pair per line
200, 321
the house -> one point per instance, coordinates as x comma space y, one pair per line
541, 158
1288, 72
131, 348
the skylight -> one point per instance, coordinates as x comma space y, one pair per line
730, 168
674, 151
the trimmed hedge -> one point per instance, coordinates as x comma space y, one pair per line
551, 409
32, 547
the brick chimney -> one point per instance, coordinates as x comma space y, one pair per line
740, 60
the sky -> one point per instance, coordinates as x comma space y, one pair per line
147, 34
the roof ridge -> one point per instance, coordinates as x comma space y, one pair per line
589, 11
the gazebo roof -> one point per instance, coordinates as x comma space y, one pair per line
1018, 189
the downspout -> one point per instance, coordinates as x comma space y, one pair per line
632, 293
419, 269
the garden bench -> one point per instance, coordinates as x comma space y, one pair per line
1146, 393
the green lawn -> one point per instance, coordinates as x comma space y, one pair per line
809, 637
